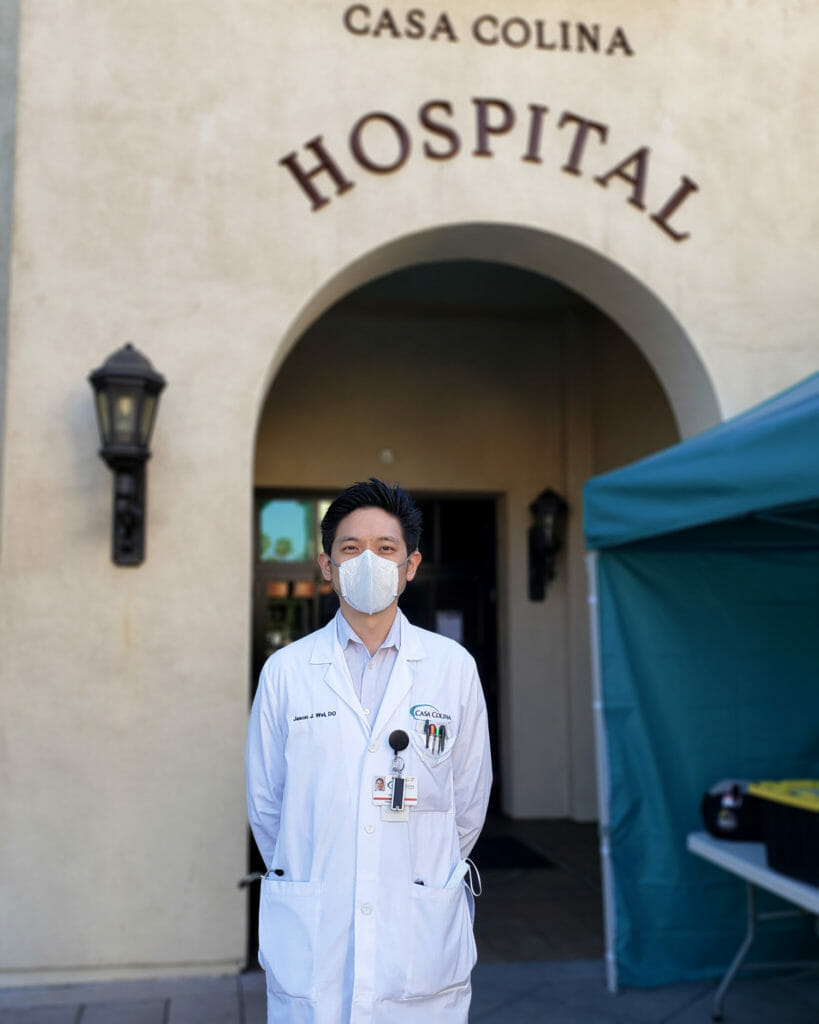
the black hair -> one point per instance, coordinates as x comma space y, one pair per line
373, 494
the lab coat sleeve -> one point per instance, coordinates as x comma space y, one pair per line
265, 766
472, 762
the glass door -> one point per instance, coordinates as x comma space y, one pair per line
291, 599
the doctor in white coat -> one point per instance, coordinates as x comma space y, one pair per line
368, 777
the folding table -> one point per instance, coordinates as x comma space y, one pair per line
748, 861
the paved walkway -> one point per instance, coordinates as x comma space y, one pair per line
539, 935
567, 992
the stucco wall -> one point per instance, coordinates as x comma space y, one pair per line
150, 205
9, 22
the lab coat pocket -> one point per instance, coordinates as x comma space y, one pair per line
434, 774
288, 930
442, 952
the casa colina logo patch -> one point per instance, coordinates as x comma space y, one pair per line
429, 712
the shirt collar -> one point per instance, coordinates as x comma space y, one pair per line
347, 635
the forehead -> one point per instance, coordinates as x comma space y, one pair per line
369, 524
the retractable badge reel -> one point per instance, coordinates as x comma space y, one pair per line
398, 809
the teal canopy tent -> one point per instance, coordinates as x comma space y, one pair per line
704, 572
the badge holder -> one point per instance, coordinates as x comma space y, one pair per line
398, 809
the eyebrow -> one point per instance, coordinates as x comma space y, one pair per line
341, 540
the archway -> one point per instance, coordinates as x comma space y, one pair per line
608, 286
468, 376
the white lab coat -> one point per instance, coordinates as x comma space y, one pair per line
346, 933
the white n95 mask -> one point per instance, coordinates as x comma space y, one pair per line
368, 582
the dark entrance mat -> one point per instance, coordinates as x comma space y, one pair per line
506, 853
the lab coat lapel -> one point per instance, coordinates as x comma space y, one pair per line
407, 665
327, 652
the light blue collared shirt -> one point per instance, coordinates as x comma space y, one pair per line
370, 675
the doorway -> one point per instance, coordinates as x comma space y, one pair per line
454, 593
455, 590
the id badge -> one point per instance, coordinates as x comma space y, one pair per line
381, 794
395, 795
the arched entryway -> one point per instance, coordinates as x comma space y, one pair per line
640, 314
481, 379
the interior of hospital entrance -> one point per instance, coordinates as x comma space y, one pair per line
477, 386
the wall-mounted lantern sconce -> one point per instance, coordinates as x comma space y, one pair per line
546, 536
126, 391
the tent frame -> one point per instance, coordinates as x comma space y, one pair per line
603, 780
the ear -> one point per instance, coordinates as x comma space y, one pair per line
326, 567
412, 564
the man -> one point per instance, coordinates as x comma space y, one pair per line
365, 913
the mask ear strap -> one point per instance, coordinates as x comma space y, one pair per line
473, 877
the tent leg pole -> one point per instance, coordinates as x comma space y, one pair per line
603, 789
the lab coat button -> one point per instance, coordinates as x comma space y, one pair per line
373, 748
369, 829
366, 711
366, 908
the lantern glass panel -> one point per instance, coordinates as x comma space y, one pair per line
124, 402
146, 418
103, 417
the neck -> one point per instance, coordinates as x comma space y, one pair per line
371, 630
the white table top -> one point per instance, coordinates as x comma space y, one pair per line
748, 861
